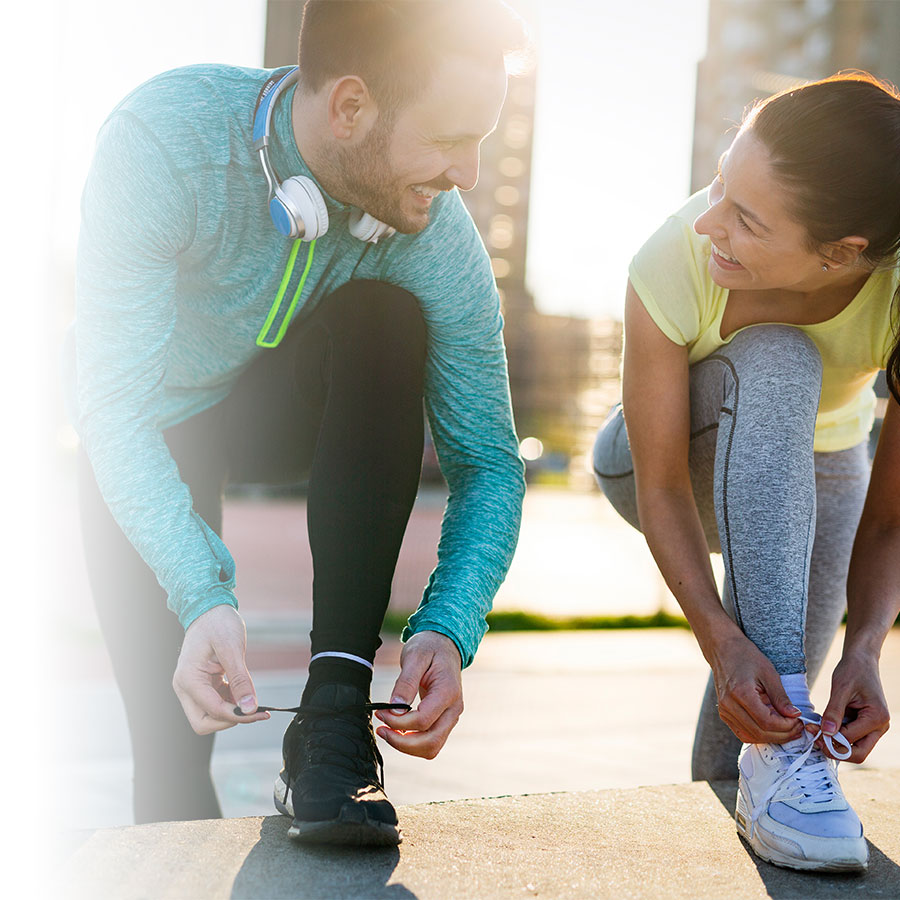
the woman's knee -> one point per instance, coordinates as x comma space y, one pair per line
776, 351
613, 466
777, 376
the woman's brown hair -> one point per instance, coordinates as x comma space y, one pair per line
835, 145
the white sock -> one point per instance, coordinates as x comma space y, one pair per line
797, 689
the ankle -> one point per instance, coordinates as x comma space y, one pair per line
796, 687
337, 670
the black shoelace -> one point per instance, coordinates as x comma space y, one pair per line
362, 709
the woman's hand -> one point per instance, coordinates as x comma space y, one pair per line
752, 700
856, 696
656, 401
873, 601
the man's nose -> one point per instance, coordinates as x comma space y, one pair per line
463, 170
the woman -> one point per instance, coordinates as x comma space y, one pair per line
749, 438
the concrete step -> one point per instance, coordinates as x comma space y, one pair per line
671, 841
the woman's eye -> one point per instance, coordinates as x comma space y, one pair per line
743, 223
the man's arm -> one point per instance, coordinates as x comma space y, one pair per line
137, 218
468, 404
430, 666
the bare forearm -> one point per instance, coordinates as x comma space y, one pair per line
752, 700
674, 533
873, 588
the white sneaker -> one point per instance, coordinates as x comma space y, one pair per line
791, 809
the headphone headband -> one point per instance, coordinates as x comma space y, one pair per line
265, 103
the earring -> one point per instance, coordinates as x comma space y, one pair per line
824, 267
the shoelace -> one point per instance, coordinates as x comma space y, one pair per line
809, 780
362, 708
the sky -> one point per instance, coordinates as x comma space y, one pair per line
613, 132
613, 123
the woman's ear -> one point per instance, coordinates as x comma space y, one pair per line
846, 252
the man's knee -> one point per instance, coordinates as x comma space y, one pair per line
380, 328
374, 309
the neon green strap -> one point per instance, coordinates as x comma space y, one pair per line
276, 303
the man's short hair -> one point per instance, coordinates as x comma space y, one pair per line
394, 45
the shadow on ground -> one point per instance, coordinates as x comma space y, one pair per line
277, 867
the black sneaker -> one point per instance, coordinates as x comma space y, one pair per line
332, 782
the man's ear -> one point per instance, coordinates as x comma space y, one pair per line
351, 109
845, 252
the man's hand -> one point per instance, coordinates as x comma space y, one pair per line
430, 667
856, 695
211, 677
752, 699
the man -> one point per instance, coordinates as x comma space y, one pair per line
214, 190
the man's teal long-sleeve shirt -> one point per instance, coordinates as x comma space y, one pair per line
178, 265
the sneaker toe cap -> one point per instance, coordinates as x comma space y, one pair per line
364, 805
830, 823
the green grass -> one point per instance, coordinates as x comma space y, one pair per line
525, 621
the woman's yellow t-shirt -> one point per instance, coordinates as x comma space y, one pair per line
670, 275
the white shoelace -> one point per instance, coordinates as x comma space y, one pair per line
802, 781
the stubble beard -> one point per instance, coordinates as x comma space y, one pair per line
363, 176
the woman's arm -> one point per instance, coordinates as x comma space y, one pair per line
873, 601
656, 402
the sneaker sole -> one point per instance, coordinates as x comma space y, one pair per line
755, 839
341, 831
282, 797
347, 834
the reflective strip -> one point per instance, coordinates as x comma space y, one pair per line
276, 304
338, 653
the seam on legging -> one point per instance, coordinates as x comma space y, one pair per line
622, 475
810, 538
703, 430
732, 412
693, 436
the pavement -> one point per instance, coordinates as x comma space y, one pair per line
567, 775
651, 842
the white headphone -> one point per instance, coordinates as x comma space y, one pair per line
296, 205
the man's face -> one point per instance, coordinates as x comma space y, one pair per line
433, 146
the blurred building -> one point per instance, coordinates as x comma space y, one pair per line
758, 47
563, 371
282, 29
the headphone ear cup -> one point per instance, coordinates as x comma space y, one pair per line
298, 209
368, 228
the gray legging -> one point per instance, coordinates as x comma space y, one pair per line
782, 517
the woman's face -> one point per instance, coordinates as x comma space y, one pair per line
756, 244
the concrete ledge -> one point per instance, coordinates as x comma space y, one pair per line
673, 841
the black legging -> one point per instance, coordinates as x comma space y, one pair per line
339, 402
